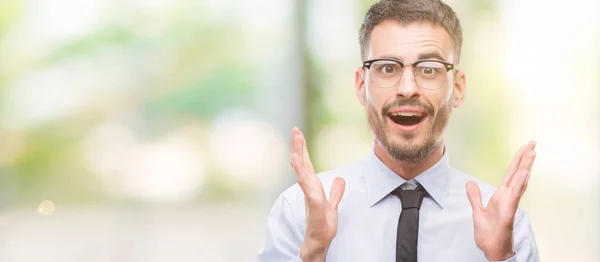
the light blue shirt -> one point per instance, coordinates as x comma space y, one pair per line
368, 217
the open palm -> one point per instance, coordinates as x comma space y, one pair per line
494, 222
321, 213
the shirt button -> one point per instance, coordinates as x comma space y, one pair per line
408, 186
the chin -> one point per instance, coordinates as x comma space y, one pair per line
406, 137
415, 140
409, 143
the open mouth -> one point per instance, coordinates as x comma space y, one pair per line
407, 118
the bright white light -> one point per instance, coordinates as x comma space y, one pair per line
168, 170
552, 70
46, 208
247, 149
330, 36
63, 20
45, 95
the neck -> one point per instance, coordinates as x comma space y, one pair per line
409, 171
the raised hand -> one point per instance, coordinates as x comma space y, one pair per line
494, 222
321, 213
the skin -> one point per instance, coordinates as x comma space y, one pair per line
409, 154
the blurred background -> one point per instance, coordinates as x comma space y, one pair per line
158, 130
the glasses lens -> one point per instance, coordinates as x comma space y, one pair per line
430, 75
385, 73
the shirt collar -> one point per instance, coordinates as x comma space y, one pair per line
381, 180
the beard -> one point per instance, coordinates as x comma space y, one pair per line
409, 148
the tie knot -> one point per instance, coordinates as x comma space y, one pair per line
410, 198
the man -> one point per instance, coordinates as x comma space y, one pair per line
404, 202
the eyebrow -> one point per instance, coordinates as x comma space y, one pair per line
431, 55
391, 57
423, 56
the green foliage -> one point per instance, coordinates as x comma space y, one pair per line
102, 38
204, 77
224, 88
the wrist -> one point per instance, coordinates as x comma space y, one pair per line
500, 256
311, 251
502, 248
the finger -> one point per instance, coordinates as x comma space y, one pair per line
337, 191
305, 155
530, 148
512, 169
474, 195
301, 175
529, 160
529, 171
517, 190
533, 146
299, 145
526, 164
293, 143
304, 182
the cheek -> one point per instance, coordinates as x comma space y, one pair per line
439, 99
446, 106
449, 95
377, 98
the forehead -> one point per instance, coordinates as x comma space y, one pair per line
407, 42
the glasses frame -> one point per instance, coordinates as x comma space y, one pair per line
367, 64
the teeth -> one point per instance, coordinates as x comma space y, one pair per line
406, 114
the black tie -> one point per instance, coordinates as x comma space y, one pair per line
408, 224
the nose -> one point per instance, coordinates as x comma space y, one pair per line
407, 87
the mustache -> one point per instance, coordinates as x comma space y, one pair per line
407, 102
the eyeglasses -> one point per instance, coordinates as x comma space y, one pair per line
387, 72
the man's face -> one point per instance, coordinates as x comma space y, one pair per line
391, 111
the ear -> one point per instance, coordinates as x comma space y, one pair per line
460, 87
359, 82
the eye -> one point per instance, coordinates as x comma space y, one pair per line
428, 71
430, 68
387, 69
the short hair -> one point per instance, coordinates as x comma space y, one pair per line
409, 11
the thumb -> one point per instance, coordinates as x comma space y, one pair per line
337, 191
474, 195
